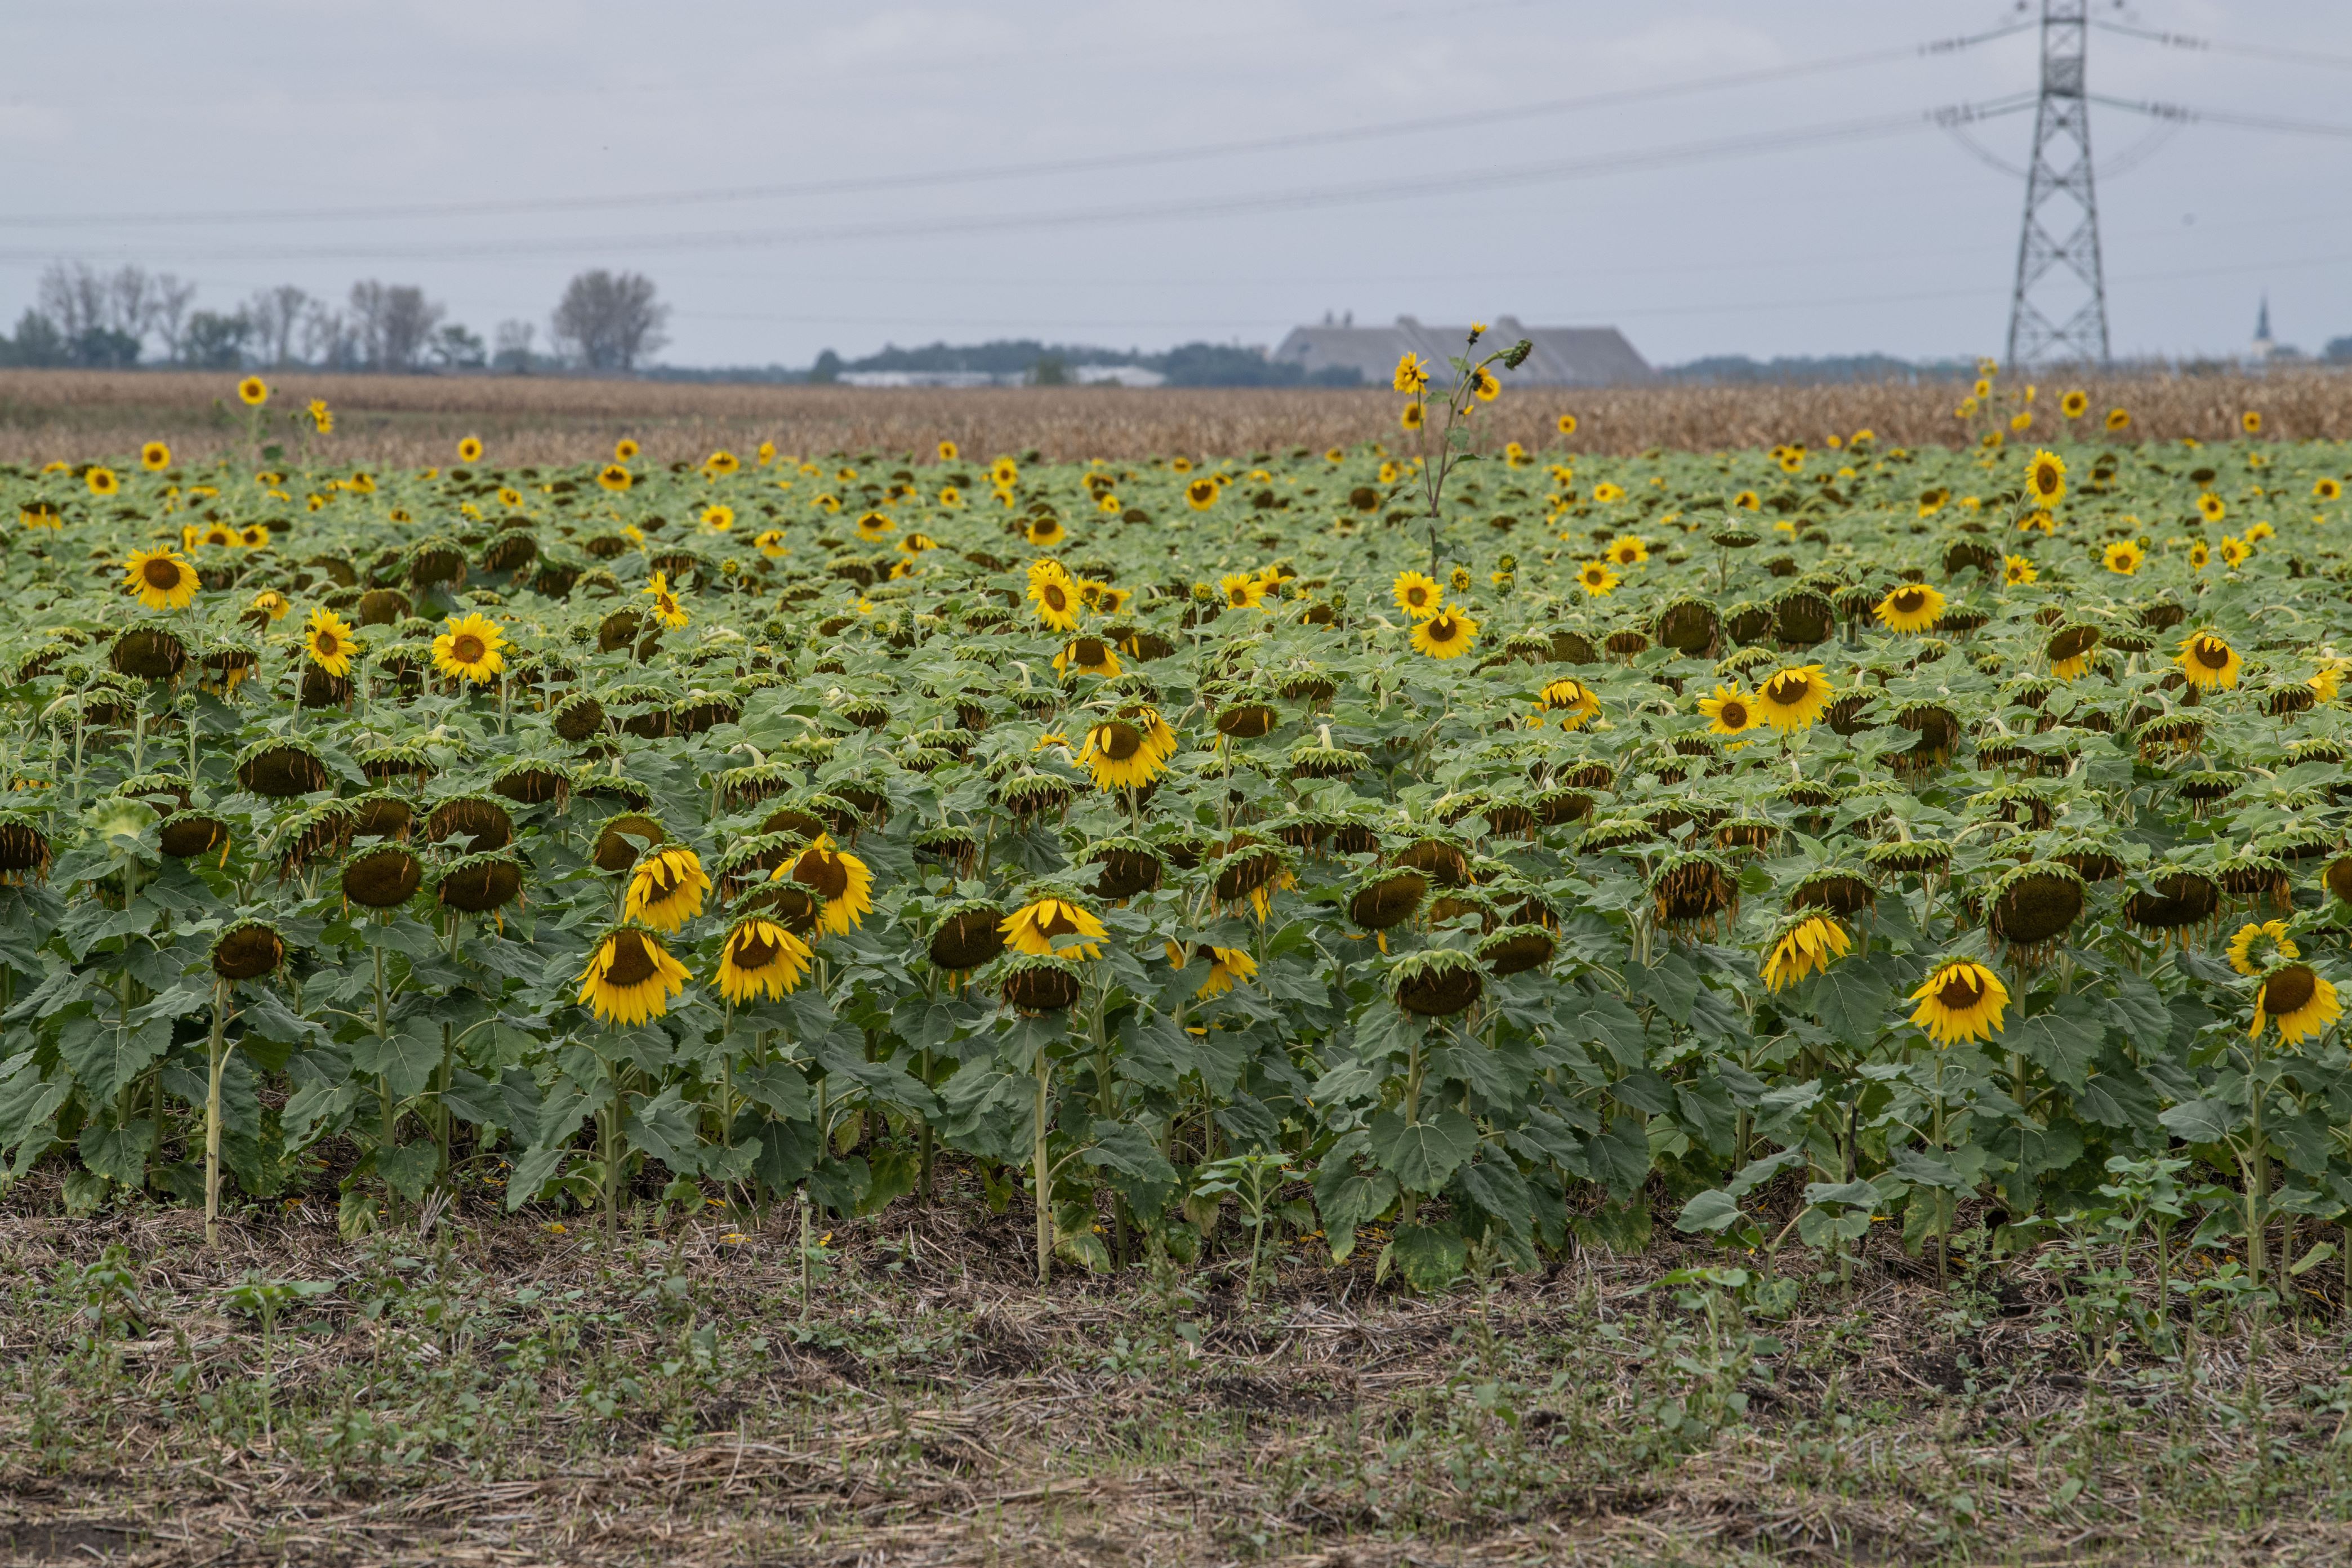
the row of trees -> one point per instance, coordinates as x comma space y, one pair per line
83, 316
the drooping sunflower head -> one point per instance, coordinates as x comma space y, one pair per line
2298, 999
2208, 661
1446, 635
1913, 607
1960, 1002
1054, 926
614, 478
761, 958
1793, 699
630, 977
667, 888
1119, 755
1575, 702
837, 877
1200, 494
1803, 945
160, 579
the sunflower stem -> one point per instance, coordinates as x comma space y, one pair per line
218, 1054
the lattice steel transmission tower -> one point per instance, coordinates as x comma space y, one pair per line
2058, 311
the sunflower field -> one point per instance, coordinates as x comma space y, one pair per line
1447, 851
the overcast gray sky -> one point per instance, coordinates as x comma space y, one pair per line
1893, 238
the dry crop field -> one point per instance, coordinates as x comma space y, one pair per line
412, 421
1437, 994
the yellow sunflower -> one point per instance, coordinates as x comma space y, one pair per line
625, 450
1056, 598
1045, 533
2199, 555
2045, 477
2251, 422
2018, 572
1565, 424
1607, 493
2298, 1000
1484, 386
722, 463
272, 604
2329, 489
101, 482
470, 450
1089, 656
614, 478
770, 542
1003, 473
1793, 699
1241, 590
948, 452
759, 959
2123, 557
838, 878
1959, 1002
1417, 595
1748, 500
1595, 578
1574, 701
2257, 947
1628, 550
1201, 493
1731, 711
719, 519
468, 649
1228, 966
2074, 404
1932, 500
1121, 755
328, 643
2212, 507
253, 392
1913, 607
322, 418
160, 578
1444, 635
154, 456
666, 609
667, 889
1411, 375
253, 536
630, 978
1051, 924
1806, 948
2234, 553
2209, 662
1414, 415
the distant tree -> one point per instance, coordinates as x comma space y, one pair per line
215, 341
167, 310
103, 348
512, 353
1050, 369
276, 318
2338, 351
605, 320
37, 342
456, 347
827, 367
327, 337
391, 323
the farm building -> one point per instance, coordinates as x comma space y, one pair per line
1564, 356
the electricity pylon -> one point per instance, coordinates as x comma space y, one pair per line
2058, 311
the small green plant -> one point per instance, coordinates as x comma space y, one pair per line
1254, 1180
260, 1297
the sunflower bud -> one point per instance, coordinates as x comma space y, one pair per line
1517, 355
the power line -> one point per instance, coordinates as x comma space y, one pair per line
2184, 114
1450, 182
2209, 46
1463, 120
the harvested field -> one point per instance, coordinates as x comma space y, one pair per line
488, 1392
412, 421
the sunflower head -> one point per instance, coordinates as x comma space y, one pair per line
1446, 635
1803, 945
2208, 661
630, 977
2296, 998
253, 392
2256, 947
469, 649
1913, 607
154, 456
761, 958
1053, 926
1960, 1002
160, 579
470, 450
1793, 699
667, 888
